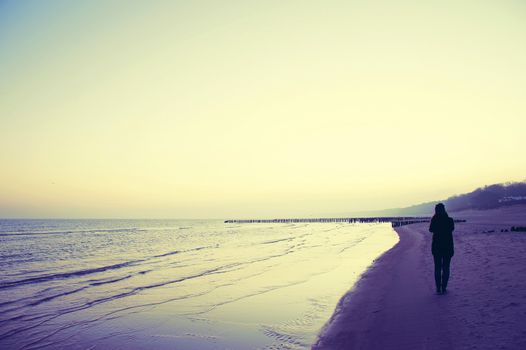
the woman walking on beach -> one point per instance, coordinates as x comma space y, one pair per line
442, 227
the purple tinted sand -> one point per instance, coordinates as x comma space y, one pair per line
394, 306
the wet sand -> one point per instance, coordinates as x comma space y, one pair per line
394, 305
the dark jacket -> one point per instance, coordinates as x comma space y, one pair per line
442, 227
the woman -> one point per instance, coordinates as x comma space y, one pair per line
442, 227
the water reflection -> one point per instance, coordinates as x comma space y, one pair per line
195, 284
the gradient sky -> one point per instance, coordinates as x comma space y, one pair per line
215, 109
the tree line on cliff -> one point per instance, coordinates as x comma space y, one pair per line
487, 197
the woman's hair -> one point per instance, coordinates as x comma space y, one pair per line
440, 210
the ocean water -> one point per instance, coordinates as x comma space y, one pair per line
173, 284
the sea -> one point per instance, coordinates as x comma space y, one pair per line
177, 284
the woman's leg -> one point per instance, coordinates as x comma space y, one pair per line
445, 268
438, 271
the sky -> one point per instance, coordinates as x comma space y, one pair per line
235, 109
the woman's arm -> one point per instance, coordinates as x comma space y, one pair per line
432, 225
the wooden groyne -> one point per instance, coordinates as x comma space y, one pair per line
394, 220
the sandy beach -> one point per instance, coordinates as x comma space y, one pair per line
394, 305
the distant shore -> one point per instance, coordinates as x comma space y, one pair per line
393, 306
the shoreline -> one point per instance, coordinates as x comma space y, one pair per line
393, 305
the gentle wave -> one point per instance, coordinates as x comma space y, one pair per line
79, 273
63, 275
117, 230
